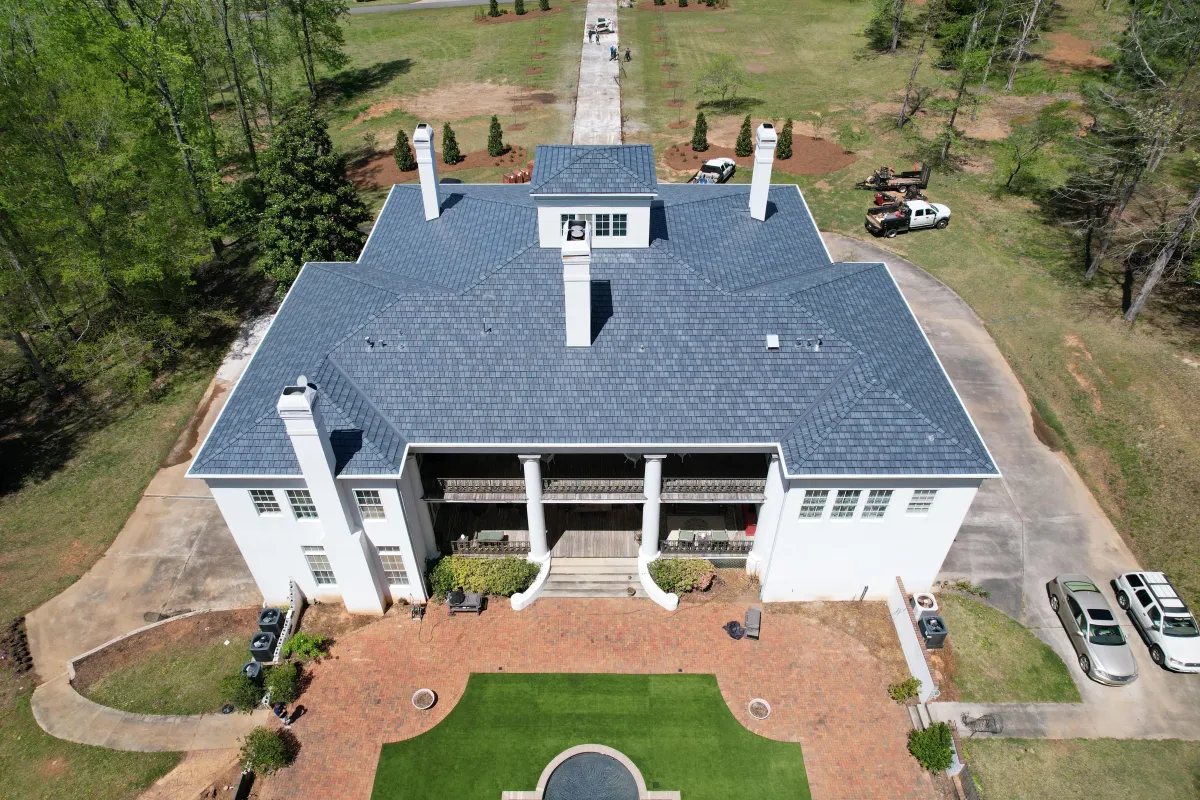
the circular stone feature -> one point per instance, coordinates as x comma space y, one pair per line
591, 776
759, 708
423, 699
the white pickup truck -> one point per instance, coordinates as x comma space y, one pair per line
1162, 618
909, 215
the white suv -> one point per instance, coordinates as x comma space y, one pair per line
1162, 618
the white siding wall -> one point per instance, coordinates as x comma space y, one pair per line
637, 209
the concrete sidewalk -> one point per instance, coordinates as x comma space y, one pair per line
598, 98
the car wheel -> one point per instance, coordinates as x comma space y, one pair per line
1054, 602
941, 224
890, 234
1123, 600
1156, 655
1085, 664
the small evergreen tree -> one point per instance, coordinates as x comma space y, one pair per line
544, 5
404, 153
312, 211
700, 134
496, 146
519, 7
450, 153
493, 8
783, 149
683, 3
745, 144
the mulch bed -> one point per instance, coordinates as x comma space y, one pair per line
809, 157
209, 628
382, 171
673, 5
509, 16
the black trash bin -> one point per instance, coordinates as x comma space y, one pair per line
270, 620
262, 646
933, 631
254, 671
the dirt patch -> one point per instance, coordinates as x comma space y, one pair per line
460, 101
53, 768
756, 67
509, 17
867, 622
669, 84
332, 620
678, 125
809, 157
76, 559
671, 6
1079, 349
998, 113
1045, 434
661, 54
534, 71
518, 127
675, 104
823, 185
209, 628
714, 30
731, 585
1071, 52
182, 451
666, 66
382, 171
538, 56
763, 51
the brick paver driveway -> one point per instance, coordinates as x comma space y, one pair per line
826, 690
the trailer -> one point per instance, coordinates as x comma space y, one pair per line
887, 179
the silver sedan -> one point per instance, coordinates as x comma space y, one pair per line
1104, 655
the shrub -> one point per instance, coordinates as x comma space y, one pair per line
683, 3
745, 142
404, 153
495, 576
283, 682
904, 689
700, 134
493, 11
495, 134
932, 747
682, 575
450, 153
544, 5
660, 2
240, 691
264, 752
305, 646
783, 149
519, 7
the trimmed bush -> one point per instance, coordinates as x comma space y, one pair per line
745, 142
305, 646
496, 146
404, 153
932, 747
544, 5
783, 149
700, 134
519, 7
682, 575
264, 752
683, 3
450, 153
493, 11
495, 576
904, 689
240, 691
283, 682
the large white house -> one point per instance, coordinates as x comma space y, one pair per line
593, 365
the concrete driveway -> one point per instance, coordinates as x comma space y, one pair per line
1035, 522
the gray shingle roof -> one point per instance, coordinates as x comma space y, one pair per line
465, 316
593, 169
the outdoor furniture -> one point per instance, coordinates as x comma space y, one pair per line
465, 601
753, 621
718, 536
490, 536
687, 536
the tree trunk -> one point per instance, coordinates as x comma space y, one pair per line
912, 76
962, 83
263, 83
1022, 43
239, 94
897, 23
987, 70
310, 69
210, 221
1109, 229
1182, 225
35, 364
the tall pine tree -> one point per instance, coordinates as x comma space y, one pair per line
404, 153
496, 146
700, 134
745, 144
450, 153
313, 211
784, 148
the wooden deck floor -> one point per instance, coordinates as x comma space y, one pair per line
595, 544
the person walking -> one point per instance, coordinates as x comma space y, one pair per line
280, 711
612, 52
628, 57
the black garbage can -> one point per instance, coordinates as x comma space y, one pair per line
254, 671
933, 631
262, 646
270, 620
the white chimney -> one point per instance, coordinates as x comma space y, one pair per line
427, 169
764, 157
577, 281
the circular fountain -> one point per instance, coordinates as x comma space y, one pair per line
591, 776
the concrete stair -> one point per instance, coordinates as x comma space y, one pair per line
592, 577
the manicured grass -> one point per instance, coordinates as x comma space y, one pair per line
1085, 769
999, 661
506, 728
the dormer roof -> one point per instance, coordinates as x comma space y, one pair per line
594, 169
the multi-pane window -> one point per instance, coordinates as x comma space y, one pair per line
393, 566
318, 563
369, 504
302, 504
620, 224
921, 501
264, 501
565, 218
603, 225
813, 506
845, 503
877, 503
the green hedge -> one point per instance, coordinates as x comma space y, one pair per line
933, 747
495, 576
681, 575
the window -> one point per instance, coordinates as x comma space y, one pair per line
922, 500
1077, 614
564, 218
877, 503
813, 506
318, 563
1155, 615
369, 504
845, 503
603, 228
264, 501
393, 566
619, 226
301, 502
1144, 597
1135, 581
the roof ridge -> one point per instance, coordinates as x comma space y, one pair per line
888, 389
607, 153
235, 438
465, 195
794, 276
359, 278
666, 250
366, 398
859, 363
495, 269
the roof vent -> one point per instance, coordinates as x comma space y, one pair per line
772, 341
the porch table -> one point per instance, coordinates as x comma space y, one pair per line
490, 536
687, 536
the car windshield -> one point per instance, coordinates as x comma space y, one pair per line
1081, 586
710, 168
1106, 634
1180, 626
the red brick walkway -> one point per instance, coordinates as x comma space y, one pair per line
826, 690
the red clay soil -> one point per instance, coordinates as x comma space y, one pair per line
683, 123
382, 171
669, 84
531, 71
809, 157
511, 17
673, 5
1073, 53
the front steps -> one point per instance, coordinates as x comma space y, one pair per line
593, 577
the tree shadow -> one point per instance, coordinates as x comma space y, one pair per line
349, 83
732, 105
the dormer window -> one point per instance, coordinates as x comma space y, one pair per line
612, 224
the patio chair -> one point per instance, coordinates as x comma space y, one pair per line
459, 600
753, 621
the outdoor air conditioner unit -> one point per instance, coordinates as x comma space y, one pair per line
924, 605
270, 620
262, 646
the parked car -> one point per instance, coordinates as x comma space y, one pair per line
605, 25
1162, 618
889, 220
715, 170
1104, 654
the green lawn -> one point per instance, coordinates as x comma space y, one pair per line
506, 728
1085, 769
999, 661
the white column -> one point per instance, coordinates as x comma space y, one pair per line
538, 548
652, 507
422, 140
768, 520
760, 181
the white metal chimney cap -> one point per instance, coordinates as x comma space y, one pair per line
772, 341
765, 133
423, 133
